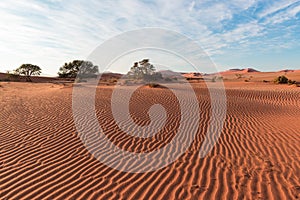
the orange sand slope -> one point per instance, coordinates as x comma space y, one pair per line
253, 75
256, 157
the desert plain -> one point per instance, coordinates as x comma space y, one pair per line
256, 157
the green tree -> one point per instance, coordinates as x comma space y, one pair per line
28, 70
143, 70
84, 69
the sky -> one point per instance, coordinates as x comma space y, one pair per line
261, 34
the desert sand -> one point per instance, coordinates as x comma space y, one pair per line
256, 157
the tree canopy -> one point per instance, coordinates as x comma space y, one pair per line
84, 69
143, 70
28, 70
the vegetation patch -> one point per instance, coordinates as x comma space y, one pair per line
153, 85
239, 76
26, 70
281, 80
214, 79
78, 68
291, 82
143, 72
284, 80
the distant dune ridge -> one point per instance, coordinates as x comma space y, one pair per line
286, 70
230, 74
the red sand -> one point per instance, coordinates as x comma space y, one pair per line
256, 157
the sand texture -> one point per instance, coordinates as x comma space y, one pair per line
257, 155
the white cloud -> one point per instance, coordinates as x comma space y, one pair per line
284, 15
243, 31
277, 6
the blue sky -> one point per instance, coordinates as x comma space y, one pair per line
237, 33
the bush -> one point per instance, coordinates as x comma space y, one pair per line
80, 80
113, 80
214, 79
153, 85
238, 76
168, 79
291, 82
281, 80
127, 82
11, 76
5, 80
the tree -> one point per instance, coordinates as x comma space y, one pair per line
28, 70
84, 69
143, 70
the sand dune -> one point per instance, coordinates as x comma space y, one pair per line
253, 75
256, 157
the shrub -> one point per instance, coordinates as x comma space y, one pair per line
168, 79
238, 76
291, 82
281, 80
127, 82
11, 76
153, 85
214, 79
113, 80
80, 80
5, 80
